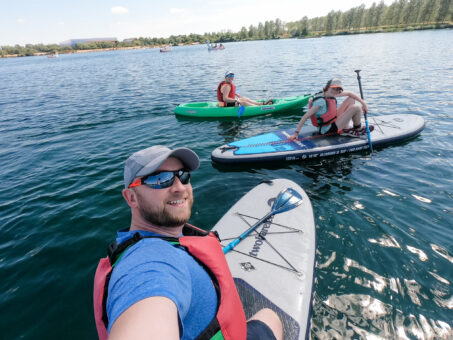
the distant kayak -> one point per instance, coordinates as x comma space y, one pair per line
214, 47
212, 109
166, 49
275, 146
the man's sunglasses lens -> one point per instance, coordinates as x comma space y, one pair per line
166, 179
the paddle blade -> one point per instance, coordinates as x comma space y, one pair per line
286, 200
241, 110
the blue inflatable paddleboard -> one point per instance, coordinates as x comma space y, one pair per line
275, 146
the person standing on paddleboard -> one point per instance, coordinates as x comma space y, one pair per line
163, 278
324, 114
226, 94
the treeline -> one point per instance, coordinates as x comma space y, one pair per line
400, 15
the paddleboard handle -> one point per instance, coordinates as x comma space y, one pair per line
365, 114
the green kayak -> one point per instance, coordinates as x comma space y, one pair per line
212, 109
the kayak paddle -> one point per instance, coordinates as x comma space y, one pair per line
286, 200
366, 119
241, 107
241, 110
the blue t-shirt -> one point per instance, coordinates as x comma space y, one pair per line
154, 267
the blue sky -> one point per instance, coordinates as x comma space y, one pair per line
47, 21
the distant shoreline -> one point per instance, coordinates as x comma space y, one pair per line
318, 34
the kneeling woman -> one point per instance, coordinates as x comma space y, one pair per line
323, 112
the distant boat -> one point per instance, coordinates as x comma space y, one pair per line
166, 48
53, 55
214, 47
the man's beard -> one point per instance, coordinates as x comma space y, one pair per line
161, 217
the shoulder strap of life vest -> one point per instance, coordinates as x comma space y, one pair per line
230, 318
317, 96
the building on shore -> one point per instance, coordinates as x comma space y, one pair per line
73, 42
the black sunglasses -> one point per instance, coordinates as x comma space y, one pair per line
163, 179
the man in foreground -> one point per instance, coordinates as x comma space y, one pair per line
165, 285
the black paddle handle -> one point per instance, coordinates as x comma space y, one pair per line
360, 83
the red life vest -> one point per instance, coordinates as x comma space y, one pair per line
231, 95
203, 246
329, 116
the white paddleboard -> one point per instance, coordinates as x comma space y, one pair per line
276, 270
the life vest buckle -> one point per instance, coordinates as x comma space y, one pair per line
216, 234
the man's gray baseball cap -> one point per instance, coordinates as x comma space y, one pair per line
147, 161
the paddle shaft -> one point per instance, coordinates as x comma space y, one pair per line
365, 114
246, 233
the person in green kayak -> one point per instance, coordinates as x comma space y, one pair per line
323, 112
227, 95
166, 279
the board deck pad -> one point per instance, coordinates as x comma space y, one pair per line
275, 146
253, 301
274, 265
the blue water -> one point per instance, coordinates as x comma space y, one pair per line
384, 221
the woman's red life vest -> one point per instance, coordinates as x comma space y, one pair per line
204, 246
329, 116
231, 95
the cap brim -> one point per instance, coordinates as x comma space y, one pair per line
185, 155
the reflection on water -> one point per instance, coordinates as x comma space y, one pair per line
386, 241
422, 199
351, 316
441, 279
230, 130
355, 316
388, 192
442, 252
421, 254
374, 315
